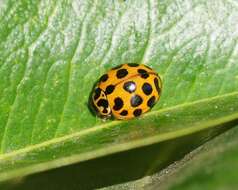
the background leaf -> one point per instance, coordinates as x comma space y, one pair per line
213, 166
52, 52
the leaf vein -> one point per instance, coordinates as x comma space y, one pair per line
84, 24
109, 124
148, 41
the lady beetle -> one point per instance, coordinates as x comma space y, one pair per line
126, 91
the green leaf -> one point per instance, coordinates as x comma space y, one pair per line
52, 52
213, 166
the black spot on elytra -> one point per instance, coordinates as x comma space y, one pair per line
129, 86
133, 64
137, 112
117, 67
110, 89
156, 81
103, 103
136, 100
103, 78
143, 73
147, 88
121, 73
118, 104
124, 113
97, 93
151, 102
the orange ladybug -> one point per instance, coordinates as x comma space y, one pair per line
126, 91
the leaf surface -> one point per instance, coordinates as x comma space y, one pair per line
52, 52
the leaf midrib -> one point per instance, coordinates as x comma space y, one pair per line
113, 123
